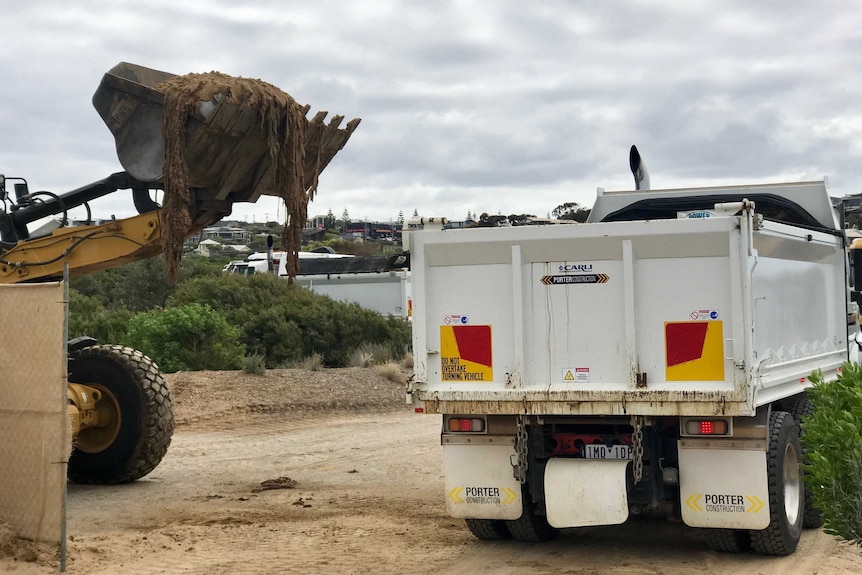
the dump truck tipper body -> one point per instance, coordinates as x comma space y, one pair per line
646, 361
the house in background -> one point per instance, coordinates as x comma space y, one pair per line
227, 234
206, 246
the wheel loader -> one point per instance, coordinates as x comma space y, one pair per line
119, 404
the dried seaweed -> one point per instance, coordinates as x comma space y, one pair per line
283, 122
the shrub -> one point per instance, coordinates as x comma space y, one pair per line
286, 322
407, 361
313, 362
833, 442
255, 364
369, 354
391, 371
190, 337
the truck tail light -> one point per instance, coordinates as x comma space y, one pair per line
466, 424
706, 427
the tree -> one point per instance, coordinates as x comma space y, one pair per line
832, 439
258, 244
487, 221
571, 211
89, 316
520, 219
139, 286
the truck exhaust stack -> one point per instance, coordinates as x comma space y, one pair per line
639, 170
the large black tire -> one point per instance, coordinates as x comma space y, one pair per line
783, 464
488, 529
728, 540
135, 392
531, 526
813, 517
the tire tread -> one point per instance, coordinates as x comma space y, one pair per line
157, 415
772, 540
488, 529
728, 540
530, 527
813, 517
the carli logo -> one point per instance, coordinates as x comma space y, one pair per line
576, 268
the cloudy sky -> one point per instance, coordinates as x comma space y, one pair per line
485, 106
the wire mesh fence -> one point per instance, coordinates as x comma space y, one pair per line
34, 419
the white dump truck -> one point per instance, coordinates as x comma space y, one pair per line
651, 361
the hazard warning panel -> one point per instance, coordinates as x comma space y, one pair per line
576, 374
693, 351
465, 353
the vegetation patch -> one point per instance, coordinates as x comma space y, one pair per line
255, 322
833, 442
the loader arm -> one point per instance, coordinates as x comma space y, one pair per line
89, 248
85, 249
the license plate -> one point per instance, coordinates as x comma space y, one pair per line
598, 451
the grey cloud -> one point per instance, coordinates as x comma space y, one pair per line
480, 106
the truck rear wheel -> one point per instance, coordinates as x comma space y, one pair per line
138, 404
728, 540
531, 526
488, 529
812, 518
783, 462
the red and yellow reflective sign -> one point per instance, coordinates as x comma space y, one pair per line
465, 353
694, 351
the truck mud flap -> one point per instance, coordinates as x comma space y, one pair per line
723, 488
583, 492
480, 483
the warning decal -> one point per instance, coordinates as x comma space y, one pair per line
465, 353
694, 351
576, 374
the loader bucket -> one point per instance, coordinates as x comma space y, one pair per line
226, 148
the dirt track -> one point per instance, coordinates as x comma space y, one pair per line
368, 499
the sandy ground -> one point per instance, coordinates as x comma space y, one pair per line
328, 472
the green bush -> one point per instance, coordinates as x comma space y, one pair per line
139, 286
189, 337
833, 442
286, 322
88, 316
